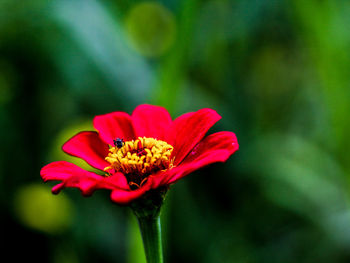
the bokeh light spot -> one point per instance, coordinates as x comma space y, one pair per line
63, 136
37, 208
151, 28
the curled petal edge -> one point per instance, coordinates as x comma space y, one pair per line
72, 175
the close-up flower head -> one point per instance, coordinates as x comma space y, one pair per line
142, 151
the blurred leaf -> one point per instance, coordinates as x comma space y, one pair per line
300, 176
328, 45
172, 68
102, 38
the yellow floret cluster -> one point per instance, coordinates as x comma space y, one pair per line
142, 156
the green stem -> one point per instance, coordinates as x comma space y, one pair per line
152, 238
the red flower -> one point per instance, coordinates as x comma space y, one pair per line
151, 151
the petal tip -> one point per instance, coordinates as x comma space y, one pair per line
57, 188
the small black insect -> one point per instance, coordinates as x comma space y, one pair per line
118, 142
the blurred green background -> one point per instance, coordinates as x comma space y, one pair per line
276, 70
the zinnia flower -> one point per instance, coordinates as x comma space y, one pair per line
141, 152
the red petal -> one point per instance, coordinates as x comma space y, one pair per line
158, 179
71, 175
188, 129
114, 125
216, 147
124, 197
151, 121
115, 181
88, 146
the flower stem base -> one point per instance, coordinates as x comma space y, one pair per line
147, 211
152, 240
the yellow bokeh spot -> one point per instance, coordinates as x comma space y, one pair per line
151, 28
63, 136
37, 208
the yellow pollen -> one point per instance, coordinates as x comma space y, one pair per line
139, 158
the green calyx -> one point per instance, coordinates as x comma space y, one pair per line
149, 205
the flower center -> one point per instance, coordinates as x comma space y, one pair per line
139, 158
